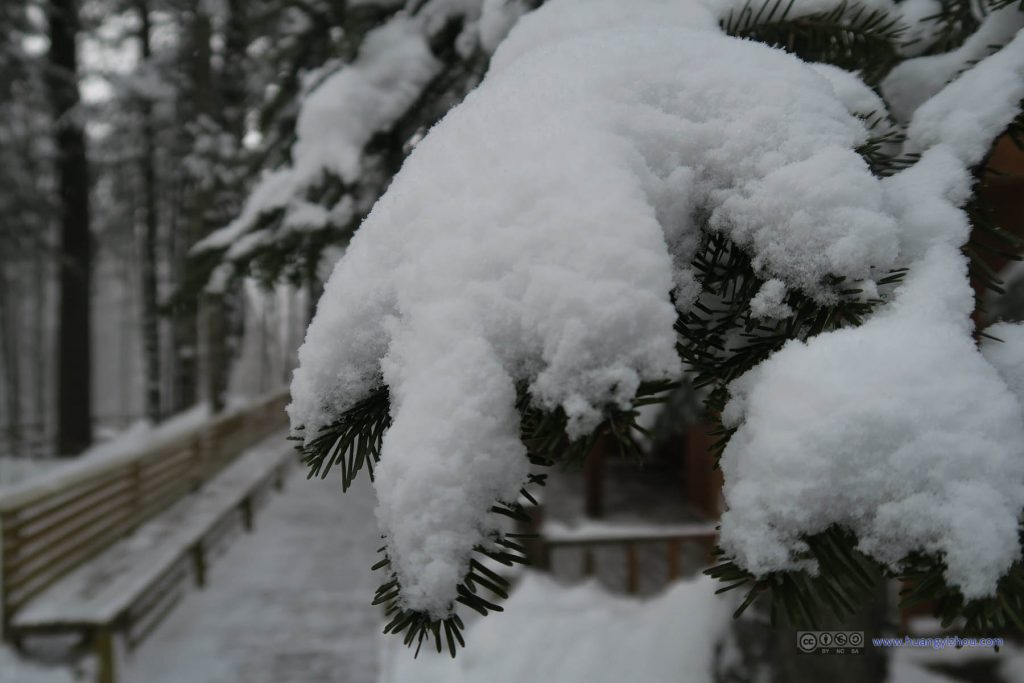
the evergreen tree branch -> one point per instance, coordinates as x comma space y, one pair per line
849, 36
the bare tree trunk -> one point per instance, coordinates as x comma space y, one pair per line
231, 95
216, 329
150, 313
211, 306
9, 355
74, 400
41, 349
196, 103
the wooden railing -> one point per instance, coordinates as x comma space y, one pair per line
670, 538
51, 527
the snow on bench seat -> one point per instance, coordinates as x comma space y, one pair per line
102, 590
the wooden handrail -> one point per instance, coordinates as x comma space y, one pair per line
56, 523
588, 538
558, 536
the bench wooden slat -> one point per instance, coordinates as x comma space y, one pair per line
18, 547
63, 507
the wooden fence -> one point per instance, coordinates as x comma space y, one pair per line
670, 539
51, 527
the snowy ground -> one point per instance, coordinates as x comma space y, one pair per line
289, 604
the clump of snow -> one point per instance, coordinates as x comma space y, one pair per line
856, 95
536, 234
1007, 355
968, 114
898, 430
497, 17
768, 302
14, 669
338, 118
914, 81
671, 637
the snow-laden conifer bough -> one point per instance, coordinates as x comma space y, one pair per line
635, 191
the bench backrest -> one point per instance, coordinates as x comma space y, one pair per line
51, 527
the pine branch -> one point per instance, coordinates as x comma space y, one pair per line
849, 36
988, 237
845, 581
956, 21
995, 5
883, 149
720, 339
925, 579
353, 441
415, 627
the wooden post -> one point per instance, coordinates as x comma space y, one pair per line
247, 517
672, 548
198, 452
588, 561
632, 569
5, 610
593, 474
103, 645
536, 547
703, 483
543, 554
136, 477
198, 564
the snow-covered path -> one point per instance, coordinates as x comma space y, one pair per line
288, 604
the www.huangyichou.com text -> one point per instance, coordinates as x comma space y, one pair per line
937, 643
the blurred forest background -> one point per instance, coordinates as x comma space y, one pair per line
178, 176
115, 159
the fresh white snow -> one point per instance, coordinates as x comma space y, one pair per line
338, 117
535, 235
287, 604
14, 669
912, 82
556, 633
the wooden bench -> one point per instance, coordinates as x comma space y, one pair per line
103, 548
131, 585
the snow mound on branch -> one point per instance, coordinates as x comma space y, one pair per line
898, 430
534, 237
994, 89
338, 117
1007, 355
914, 81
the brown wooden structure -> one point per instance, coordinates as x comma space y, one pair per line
52, 528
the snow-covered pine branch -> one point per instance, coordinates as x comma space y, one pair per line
356, 120
559, 232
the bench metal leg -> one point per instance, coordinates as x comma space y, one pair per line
106, 665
